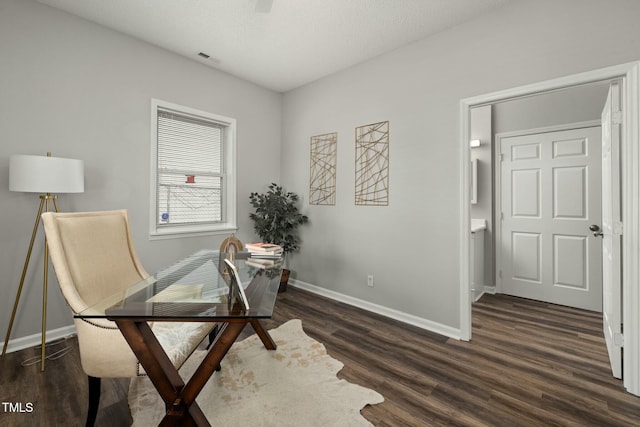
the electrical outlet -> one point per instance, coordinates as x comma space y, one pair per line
370, 280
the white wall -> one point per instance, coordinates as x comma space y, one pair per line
412, 246
79, 90
572, 105
481, 128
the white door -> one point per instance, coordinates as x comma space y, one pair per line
611, 229
550, 195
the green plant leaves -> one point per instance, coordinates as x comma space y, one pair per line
276, 217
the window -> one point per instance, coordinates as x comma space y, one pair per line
193, 181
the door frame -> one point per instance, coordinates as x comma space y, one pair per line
497, 187
629, 73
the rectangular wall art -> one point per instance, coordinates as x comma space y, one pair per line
372, 164
322, 177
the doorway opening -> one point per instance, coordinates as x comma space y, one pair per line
539, 178
628, 74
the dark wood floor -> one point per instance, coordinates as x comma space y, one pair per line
529, 364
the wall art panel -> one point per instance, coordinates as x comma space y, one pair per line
322, 176
372, 165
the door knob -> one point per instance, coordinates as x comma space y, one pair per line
596, 230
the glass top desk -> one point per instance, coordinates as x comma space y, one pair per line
195, 289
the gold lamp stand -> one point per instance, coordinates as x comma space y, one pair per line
44, 175
45, 200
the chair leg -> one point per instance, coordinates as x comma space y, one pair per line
94, 400
212, 336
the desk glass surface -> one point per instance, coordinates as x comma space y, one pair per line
195, 288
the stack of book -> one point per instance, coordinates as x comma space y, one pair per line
264, 255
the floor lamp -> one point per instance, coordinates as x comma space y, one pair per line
46, 176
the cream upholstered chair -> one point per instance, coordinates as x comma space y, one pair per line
93, 256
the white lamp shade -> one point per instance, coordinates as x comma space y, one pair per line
44, 174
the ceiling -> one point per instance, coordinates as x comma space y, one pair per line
278, 44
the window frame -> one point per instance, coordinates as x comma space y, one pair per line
229, 187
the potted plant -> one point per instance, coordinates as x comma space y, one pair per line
276, 220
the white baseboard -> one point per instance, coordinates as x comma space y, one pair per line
480, 295
490, 290
35, 339
379, 309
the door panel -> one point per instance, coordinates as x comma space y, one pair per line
526, 257
569, 192
611, 229
525, 193
570, 261
551, 193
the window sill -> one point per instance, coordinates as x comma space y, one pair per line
182, 232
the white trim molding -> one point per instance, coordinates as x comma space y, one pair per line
419, 322
631, 239
229, 203
630, 151
35, 339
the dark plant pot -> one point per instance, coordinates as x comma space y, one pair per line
284, 280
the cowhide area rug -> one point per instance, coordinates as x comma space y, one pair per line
295, 385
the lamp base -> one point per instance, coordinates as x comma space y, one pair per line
45, 200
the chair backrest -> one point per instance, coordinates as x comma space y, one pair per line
93, 255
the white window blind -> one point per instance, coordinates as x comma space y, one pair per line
190, 170
193, 178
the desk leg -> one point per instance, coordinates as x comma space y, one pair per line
266, 339
223, 342
179, 398
162, 373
